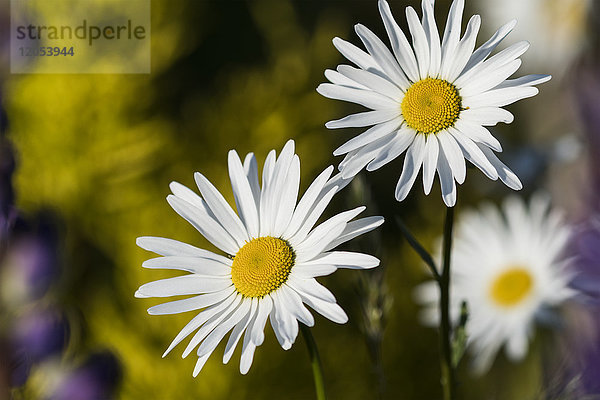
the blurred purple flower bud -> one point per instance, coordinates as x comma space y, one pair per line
96, 379
41, 334
586, 248
31, 262
19, 366
7, 211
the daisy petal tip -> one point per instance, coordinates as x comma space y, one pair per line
449, 200
171, 198
401, 193
321, 89
232, 155
331, 125
139, 295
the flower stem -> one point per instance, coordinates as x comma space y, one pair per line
315, 361
448, 383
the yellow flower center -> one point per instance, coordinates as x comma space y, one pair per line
431, 105
511, 287
262, 266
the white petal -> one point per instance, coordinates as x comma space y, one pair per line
192, 303
402, 50
362, 119
242, 192
382, 56
211, 324
312, 271
275, 191
412, 164
339, 79
451, 35
200, 364
264, 213
500, 97
305, 205
248, 346
294, 305
170, 247
312, 217
506, 175
206, 225
248, 349
354, 229
363, 156
366, 98
287, 201
492, 65
404, 138
354, 54
433, 37
372, 81
214, 338
251, 170
287, 325
489, 79
221, 209
310, 286
182, 285
446, 180
486, 49
369, 136
527, 80
237, 332
477, 133
420, 43
187, 194
336, 180
257, 329
487, 116
324, 234
196, 265
516, 347
464, 49
331, 311
198, 320
472, 153
346, 259
430, 162
453, 155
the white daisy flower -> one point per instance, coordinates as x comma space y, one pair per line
433, 99
511, 270
273, 254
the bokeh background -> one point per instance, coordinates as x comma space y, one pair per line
85, 163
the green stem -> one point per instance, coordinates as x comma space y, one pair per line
315, 361
448, 383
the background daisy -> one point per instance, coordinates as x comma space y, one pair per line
274, 253
432, 99
510, 268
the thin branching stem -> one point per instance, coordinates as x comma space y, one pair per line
414, 243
